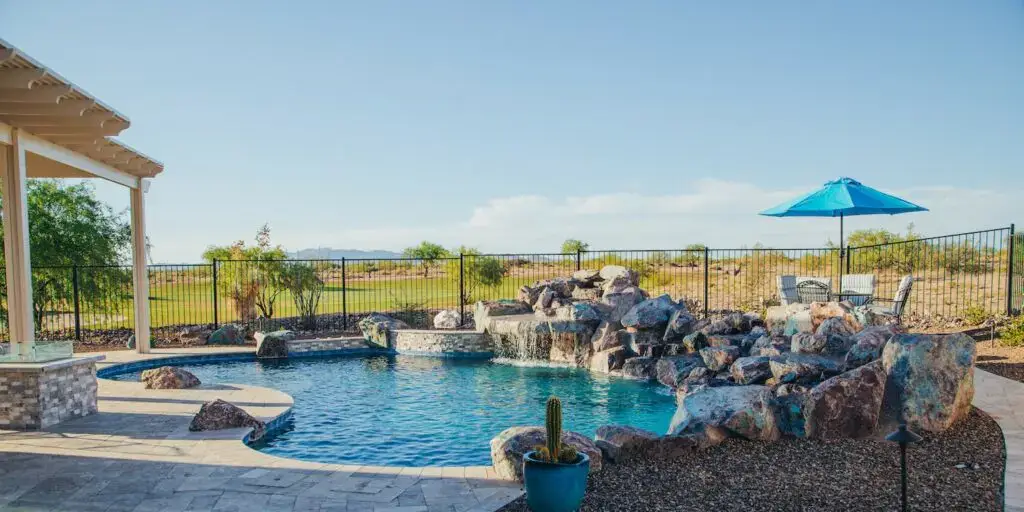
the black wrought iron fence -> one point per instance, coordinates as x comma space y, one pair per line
968, 274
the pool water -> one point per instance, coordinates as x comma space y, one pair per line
424, 411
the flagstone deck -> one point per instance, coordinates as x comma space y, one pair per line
137, 454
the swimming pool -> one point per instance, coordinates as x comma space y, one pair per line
428, 411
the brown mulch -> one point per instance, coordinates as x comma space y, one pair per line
802, 475
1005, 361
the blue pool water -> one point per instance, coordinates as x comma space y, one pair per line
424, 411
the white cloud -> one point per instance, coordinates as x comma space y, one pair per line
715, 212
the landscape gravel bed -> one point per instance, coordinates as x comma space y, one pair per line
1004, 361
960, 469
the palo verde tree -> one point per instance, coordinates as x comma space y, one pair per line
306, 287
478, 272
428, 253
251, 276
68, 226
572, 246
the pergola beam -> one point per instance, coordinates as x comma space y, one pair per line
37, 94
20, 78
68, 108
61, 154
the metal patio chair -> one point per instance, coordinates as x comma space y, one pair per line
858, 289
898, 303
813, 289
787, 290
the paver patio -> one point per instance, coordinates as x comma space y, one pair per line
137, 454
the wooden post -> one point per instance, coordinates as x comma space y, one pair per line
16, 247
140, 272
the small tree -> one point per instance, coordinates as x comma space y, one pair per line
251, 275
428, 253
306, 288
68, 225
572, 246
693, 255
478, 272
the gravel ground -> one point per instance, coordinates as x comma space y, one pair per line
802, 475
1000, 360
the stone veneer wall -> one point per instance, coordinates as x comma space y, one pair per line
427, 341
34, 398
323, 345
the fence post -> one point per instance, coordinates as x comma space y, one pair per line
849, 256
462, 289
706, 278
579, 257
216, 323
1009, 276
74, 289
344, 298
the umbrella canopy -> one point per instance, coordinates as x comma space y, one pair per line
843, 197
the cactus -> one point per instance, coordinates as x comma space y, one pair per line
568, 455
541, 453
553, 425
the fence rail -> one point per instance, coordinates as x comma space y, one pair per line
972, 274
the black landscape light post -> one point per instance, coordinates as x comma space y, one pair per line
903, 436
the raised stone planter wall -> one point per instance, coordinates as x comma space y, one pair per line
35, 396
418, 341
308, 347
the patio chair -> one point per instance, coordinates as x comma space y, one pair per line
813, 289
898, 303
787, 290
860, 286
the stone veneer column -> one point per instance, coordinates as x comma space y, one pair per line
35, 396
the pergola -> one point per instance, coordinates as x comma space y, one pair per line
51, 128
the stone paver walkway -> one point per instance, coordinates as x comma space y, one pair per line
1003, 399
137, 454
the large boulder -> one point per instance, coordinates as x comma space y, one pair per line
586, 293
750, 370
867, 345
227, 335
617, 274
508, 448
483, 311
168, 377
607, 361
651, 314
719, 358
674, 370
847, 405
930, 379
609, 335
695, 341
821, 311
680, 324
621, 443
542, 338
579, 312
820, 343
802, 368
620, 300
378, 330
273, 345
447, 319
641, 368
587, 277
837, 326
219, 415
544, 299
714, 413
570, 341
776, 317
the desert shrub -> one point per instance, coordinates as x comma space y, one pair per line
481, 273
976, 315
306, 288
1012, 334
412, 311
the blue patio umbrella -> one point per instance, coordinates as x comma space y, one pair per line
841, 198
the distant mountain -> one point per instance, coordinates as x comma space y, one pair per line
327, 253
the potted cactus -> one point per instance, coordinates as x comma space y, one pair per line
555, 475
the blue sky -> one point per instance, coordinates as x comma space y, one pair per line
513, 125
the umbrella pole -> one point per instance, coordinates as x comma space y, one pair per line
842, 256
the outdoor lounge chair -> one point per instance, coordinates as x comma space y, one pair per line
813, 289
787, 290
896, 306
860, 287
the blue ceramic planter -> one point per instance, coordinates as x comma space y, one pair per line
555, 487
